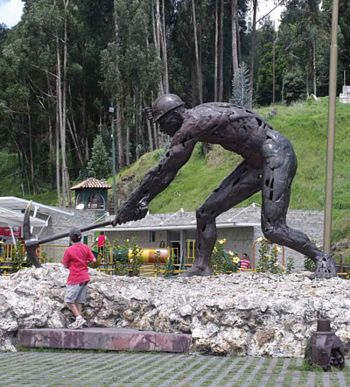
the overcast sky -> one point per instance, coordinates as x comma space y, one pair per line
10, 12
265, 7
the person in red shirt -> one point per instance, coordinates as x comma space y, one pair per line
76, 259
245, 262
101, 240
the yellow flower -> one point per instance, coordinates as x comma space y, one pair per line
260, 239
230, 252
222, 241
235, 259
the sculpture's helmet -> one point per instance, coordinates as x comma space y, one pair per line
164, 104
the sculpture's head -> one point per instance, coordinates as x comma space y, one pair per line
168, 110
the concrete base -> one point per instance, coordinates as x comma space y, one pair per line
116, 339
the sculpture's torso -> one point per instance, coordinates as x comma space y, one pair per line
235, 128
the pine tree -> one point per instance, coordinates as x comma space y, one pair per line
99, 164
240, 87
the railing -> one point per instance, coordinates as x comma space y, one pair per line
54, 253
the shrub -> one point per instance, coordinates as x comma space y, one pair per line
127, 258
222, 261
309, 264
18, 258
268, 258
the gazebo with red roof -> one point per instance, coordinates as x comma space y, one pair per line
91, 194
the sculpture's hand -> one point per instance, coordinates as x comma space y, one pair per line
131, 212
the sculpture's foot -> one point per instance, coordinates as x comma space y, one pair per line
197, 270
325, 268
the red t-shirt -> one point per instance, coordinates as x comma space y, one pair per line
76, 258
101, 240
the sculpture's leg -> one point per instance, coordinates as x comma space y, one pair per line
243, 182
278, 174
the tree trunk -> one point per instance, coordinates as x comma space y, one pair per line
119, 125
157, 42
127, 146
134, 124
32, 179
234, 17
314, 67
198, 67
65, 172
221, 52
216, 44
274, 65
164, 51
118, 98
52, 149
61, 193
252, 51
58, 129
74, 134
149, 129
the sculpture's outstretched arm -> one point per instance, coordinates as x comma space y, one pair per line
155, 181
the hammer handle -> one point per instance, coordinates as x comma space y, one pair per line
65, 234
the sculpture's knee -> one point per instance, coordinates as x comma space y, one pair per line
273, 233
204, 215
205, 219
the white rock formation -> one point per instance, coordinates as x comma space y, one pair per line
242, 313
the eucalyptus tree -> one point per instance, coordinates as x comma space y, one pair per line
30, 58
252, 49
343, 39
301, 36
270, 65
131, 71
234, 35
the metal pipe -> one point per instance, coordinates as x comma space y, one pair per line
331, 130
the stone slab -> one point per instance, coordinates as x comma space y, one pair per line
116, 339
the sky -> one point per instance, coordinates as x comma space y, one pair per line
10, 12
265, 6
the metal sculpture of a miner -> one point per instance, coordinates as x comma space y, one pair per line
269, 165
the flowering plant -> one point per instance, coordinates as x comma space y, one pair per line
268, 260
222, 261
127, 258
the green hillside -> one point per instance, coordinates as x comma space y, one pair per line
305, 124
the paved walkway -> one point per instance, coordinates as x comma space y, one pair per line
74, 368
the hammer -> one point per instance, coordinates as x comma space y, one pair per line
32, 243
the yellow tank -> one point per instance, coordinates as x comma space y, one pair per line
153, 255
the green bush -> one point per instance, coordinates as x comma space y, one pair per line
222, 261
127, 258
268, 258
18, 258
309, 264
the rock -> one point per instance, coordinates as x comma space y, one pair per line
243, 313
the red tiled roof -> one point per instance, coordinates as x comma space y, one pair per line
92, 183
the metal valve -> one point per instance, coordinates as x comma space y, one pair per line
324, 348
